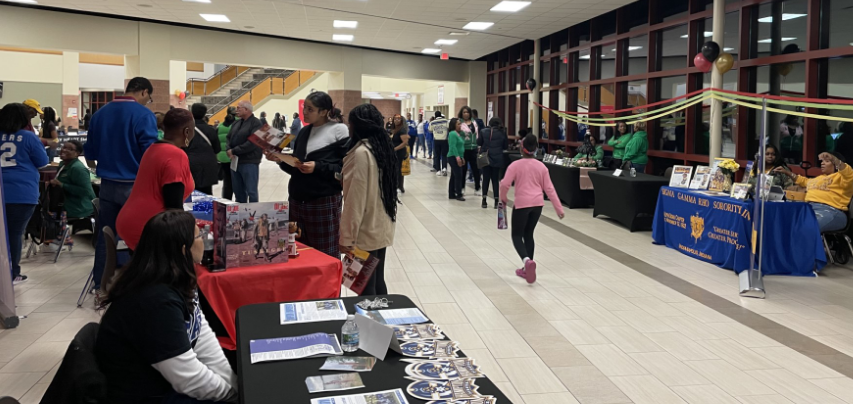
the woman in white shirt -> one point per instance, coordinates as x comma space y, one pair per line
421, 142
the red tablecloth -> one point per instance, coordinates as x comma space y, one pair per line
313, 275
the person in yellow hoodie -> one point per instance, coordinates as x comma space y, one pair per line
828, 194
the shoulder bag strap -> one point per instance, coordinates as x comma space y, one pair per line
197, 130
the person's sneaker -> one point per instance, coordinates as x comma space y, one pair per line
432, 170
530, 271
463, 191
479, 193
444, 172
496, 203
460, 199
520, 273
439, 174
19, 279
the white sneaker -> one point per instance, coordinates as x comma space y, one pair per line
438, 173
444, 172
463, 191
478, 193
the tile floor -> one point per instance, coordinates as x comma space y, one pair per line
592, 330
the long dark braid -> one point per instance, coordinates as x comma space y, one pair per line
368, 123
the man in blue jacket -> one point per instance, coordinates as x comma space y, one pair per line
119, 134
413, 135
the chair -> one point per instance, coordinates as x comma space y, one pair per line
109, 266
839, 256
668, 173
8, 400
78, 379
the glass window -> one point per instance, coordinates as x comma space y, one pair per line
490, 84
582, 32
840, 30
840, 85
513, 79
637, 15
670, 131
608, 61
730, 36
564, 124
546, 73
583, 106
769, 81
673, 9
583, 65
638, 60
792, 32
674, 48
607, 25
564, 70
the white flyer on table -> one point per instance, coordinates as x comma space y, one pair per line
395, 396
312, 312
394, 316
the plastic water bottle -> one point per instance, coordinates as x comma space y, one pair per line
207, 237
633, 172
349, 335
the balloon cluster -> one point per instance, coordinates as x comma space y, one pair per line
710, 56
182, 94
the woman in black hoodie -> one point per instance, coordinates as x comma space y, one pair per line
315, 169
202, 152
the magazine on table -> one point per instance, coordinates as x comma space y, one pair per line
341, 381
312, 312
748, 173
702, 178
303, 346
395, 396
680, 176
349, 363
394, 316
271, 139
740, 191
358, 267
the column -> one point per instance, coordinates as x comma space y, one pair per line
477, 89
716, 141
152, 62
177, 82
537, 75
345, 86
70, 90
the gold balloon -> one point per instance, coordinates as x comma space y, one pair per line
177, 93
724, 62
785, 69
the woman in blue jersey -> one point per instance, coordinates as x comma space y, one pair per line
21, 155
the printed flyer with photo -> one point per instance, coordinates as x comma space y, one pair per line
449, 390
342, 381
276, 349
312, 312
702, 178
349, 363
430, 349
271, 139
680, 176
446, 369
395, 396
418, 331
358, 267
394, 316
478, 400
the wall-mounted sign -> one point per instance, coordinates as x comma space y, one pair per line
440, 95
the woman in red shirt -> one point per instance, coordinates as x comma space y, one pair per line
164, 179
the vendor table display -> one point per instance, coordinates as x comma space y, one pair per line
718, 229
628, 200
284, 381
313, 275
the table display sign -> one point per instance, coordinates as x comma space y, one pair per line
394, 316
247, 234
702, 178
680, 176
303, 346
740, 191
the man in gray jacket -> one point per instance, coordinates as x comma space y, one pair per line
246, 154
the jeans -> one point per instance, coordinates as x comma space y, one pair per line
245, 182
225, 176
420, 143
457, 181
112, 198
183, 399
828, 218
641, 168
376, 283
523, 224
490, 174
471, 161
440, 159
17, 217
430, 145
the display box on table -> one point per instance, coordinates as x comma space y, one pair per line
247, 234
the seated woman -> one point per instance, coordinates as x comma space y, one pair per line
75, 180
638, 146
154, 344
164, 179
589, 150
828, 194
773, 159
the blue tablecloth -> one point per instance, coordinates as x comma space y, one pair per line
718, 229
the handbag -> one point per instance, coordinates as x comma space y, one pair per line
483, 156
406, 168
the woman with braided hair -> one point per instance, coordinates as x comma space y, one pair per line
370, 192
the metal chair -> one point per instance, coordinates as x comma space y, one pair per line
839, 256
109, 266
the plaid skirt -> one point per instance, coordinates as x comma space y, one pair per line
320, 221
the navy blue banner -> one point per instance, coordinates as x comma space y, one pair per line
718, 229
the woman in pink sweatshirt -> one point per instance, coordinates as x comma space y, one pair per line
531, 179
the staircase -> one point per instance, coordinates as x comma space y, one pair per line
232, 91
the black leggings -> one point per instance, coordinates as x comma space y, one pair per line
399, 167
523, 224
491, 174
376, 283
457, 181
471, 158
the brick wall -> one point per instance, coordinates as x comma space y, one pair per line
387, 107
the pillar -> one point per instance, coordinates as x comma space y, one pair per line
345, 86
775, 80
716, 141
177, 82
152, 62
535, 97
70, 112
477, 89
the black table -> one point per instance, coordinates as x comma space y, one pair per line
284, 381
566, 182
628, 200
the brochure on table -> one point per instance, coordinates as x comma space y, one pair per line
680, 176
341, 381
702, 178
304, 346
394, 316
452, 391
312, 312
418, 331
395, 396
358, 267
748, 173
349, 363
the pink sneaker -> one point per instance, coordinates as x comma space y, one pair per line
520, 273
530, 271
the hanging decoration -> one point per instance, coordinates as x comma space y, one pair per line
724, 62
531, 84
711, 50
703, 64
182, 96
785, 69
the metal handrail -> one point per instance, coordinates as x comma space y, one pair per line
218, 72
245, 89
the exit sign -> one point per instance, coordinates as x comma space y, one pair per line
445, 56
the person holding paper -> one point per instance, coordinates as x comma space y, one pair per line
154, 344
829, 194
370, 198
244, 177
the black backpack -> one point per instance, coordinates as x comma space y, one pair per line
44, 224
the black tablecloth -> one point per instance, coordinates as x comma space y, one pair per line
566, 181
284, 381
628, 200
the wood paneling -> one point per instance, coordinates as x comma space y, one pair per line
28, 50
198, 87
278, 86
291, 83
261, 91
195, 67
304, 75
101, 59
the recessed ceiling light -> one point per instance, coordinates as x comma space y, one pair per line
510, 6
342, 38
785, 17
459, 33
431, 50
584, 57
197, 1
23, 1
478, 26
446, 41
215, 17
345, 24
784, 39
728, 49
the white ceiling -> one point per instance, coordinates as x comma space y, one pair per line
401, 25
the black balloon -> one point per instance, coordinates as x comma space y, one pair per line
531, 84
710, 50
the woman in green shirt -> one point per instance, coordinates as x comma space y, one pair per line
618, 142
638, 146
456, 160
75, 180
589, 146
